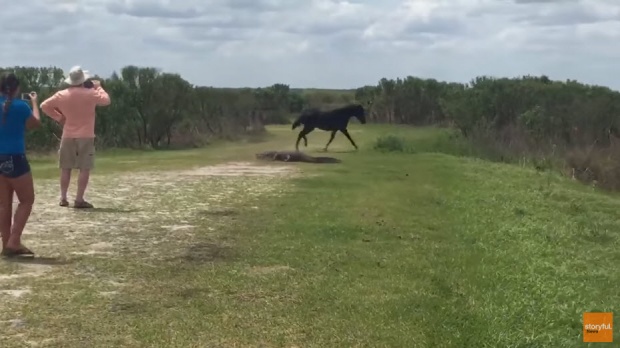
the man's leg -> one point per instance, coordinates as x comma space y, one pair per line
67, 154
85, 162
65, 180
82, 184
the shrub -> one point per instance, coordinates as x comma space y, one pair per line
596, 165
391, 143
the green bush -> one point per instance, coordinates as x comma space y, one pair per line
391, 143
450, 143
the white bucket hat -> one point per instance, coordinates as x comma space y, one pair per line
77, 76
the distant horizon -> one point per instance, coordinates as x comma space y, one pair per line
375, 83
117, 71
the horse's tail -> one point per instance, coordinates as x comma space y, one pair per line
297, 122
307, 116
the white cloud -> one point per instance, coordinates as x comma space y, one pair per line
319, 43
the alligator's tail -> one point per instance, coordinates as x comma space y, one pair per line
326, 160
297, 123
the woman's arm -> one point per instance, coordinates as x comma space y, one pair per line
34, 120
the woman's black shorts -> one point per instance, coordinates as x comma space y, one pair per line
14, 166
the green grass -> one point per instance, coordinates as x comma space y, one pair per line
417, 248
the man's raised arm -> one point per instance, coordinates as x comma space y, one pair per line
102, 97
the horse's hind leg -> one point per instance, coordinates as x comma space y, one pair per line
346, 133
331, 138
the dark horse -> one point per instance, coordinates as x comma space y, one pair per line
333, 120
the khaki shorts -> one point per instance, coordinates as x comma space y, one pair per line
76, 153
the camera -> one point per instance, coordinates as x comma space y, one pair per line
26, 96
89, 84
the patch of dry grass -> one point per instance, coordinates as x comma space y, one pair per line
97, 270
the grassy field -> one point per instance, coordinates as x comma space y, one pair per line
426, 249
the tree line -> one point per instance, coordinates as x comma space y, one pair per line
525, 116
562, 123
155, 109
561, 112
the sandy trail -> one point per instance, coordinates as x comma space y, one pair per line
136, 213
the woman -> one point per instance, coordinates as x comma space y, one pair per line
15, 176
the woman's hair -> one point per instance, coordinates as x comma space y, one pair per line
8, 85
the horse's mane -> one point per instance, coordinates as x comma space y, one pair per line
310, 111
349, 107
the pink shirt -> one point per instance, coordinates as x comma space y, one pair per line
76, 105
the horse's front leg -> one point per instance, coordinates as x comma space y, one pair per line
299, 139
331, 138
346, 133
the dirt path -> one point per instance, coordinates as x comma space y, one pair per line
143, 214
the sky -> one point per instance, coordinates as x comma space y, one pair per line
319, 43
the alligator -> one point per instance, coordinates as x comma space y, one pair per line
294, 156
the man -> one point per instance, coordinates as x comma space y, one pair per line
74, 108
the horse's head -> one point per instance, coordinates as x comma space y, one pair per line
360, 114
